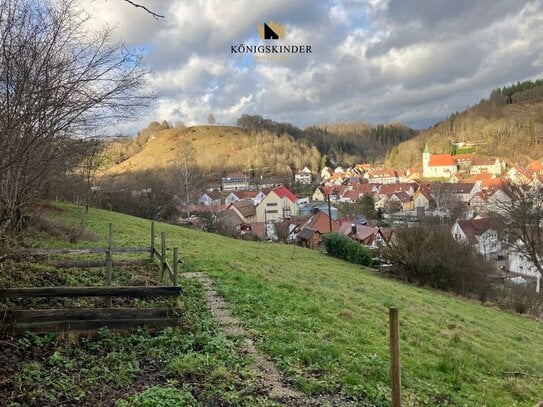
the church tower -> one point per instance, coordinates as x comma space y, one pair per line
426, 161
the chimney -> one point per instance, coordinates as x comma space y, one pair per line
353, 229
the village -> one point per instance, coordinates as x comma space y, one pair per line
460, 190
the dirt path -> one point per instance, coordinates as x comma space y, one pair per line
273, 382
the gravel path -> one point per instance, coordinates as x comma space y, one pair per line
273, 382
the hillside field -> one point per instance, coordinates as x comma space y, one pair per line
325, 322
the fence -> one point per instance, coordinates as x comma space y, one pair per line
89, 319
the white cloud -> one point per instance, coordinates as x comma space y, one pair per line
376, 60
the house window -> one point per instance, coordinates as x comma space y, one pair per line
271, 204
271, 211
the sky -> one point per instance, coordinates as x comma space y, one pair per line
409, 61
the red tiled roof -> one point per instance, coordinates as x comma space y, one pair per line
351, 195
483, 161
283, 191
535, 166
440, 160
320, 222
387, 189
329, 190
402, 196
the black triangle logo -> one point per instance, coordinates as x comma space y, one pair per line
269, 34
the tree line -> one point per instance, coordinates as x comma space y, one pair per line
344, 143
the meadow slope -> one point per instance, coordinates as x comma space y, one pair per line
325, 322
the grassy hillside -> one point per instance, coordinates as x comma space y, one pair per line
217, 150
324, 322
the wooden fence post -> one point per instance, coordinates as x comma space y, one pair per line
109, 261
175, 266
163, 254
110, 237
152, 241
395, 375
108, 276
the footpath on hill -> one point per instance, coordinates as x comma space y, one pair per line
273, 381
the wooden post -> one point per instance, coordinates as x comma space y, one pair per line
175, 266
110, 237
163, 254
152, 241
109, 262
108, 276
395, 357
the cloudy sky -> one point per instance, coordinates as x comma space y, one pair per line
414, 61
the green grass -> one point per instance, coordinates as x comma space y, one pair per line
325, 322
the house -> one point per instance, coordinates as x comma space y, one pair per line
497, 200
389, 189
479, 202
362, 168
485, 166
326, 173
255, 196
350, 197
520, 175
413, 174
445, 193
482, 234
265, 183
235, 181
279, 203
210, 198
422, 198
303, 176
385, 176
373, 237
403, 199
337, 179
535, 167
231, 219
520, 264
322, 193
245, 209
317, 225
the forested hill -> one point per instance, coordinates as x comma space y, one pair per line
339, 143
259, 144
509, 124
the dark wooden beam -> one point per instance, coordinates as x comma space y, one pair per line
153, 291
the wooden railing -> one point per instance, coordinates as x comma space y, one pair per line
89, 319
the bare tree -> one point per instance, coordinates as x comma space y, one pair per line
188, 176
523, 216
57, 81
211, 118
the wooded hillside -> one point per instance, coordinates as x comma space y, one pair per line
509, 124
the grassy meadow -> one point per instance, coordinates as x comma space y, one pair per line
325, 322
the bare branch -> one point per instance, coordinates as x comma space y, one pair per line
155, 15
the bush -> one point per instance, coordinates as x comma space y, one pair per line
342, 247
430, 256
